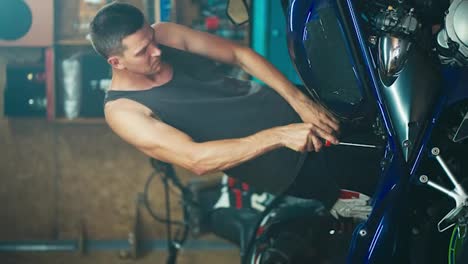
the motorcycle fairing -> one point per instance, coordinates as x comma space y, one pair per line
377, 241
326, 59
326, 54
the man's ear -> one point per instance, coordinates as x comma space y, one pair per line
114, 61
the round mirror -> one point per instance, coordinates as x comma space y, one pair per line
15, 19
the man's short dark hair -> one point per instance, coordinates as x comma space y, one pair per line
113, 23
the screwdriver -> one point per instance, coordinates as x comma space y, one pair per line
328, 144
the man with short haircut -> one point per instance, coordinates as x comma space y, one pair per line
169, 101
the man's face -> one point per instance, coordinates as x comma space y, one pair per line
142, 54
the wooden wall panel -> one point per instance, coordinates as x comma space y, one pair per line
27, 180
100, 177
58, 176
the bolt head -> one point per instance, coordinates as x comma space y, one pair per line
406, 143
423, 178
362, 232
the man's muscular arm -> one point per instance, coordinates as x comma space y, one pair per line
164, 142
220, 49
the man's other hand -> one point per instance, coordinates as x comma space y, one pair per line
324, 121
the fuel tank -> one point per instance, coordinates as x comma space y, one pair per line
327, 51
410, 86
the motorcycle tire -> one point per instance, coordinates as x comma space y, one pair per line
458, 246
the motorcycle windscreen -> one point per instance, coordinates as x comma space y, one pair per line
325, 57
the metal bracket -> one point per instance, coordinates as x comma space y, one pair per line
458, 194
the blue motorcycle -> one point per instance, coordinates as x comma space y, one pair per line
399, 69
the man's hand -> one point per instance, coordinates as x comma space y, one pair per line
303, 137
323, 121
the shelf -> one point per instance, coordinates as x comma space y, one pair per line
73, 42
61, 120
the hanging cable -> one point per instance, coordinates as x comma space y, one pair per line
146, 202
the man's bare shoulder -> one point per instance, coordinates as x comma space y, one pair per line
117, 109
136, 124
124, 104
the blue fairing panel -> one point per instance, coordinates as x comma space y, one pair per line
321, 46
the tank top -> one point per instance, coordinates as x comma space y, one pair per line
208, 106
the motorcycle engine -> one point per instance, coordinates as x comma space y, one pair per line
452, 40
393, 16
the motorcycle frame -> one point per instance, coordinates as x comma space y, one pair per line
379, 239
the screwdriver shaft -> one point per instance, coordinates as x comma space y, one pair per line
328, 144
357, 145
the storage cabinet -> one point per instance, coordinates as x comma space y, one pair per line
72, 20
62, 35
27, 61
75, 95
58, 33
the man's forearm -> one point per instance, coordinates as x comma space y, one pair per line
220, 155
257, 66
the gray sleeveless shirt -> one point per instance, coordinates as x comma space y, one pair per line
209, 106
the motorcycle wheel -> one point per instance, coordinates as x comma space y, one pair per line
458, 246
299, 242
283, 248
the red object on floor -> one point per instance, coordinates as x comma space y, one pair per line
212, 23
347, 194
